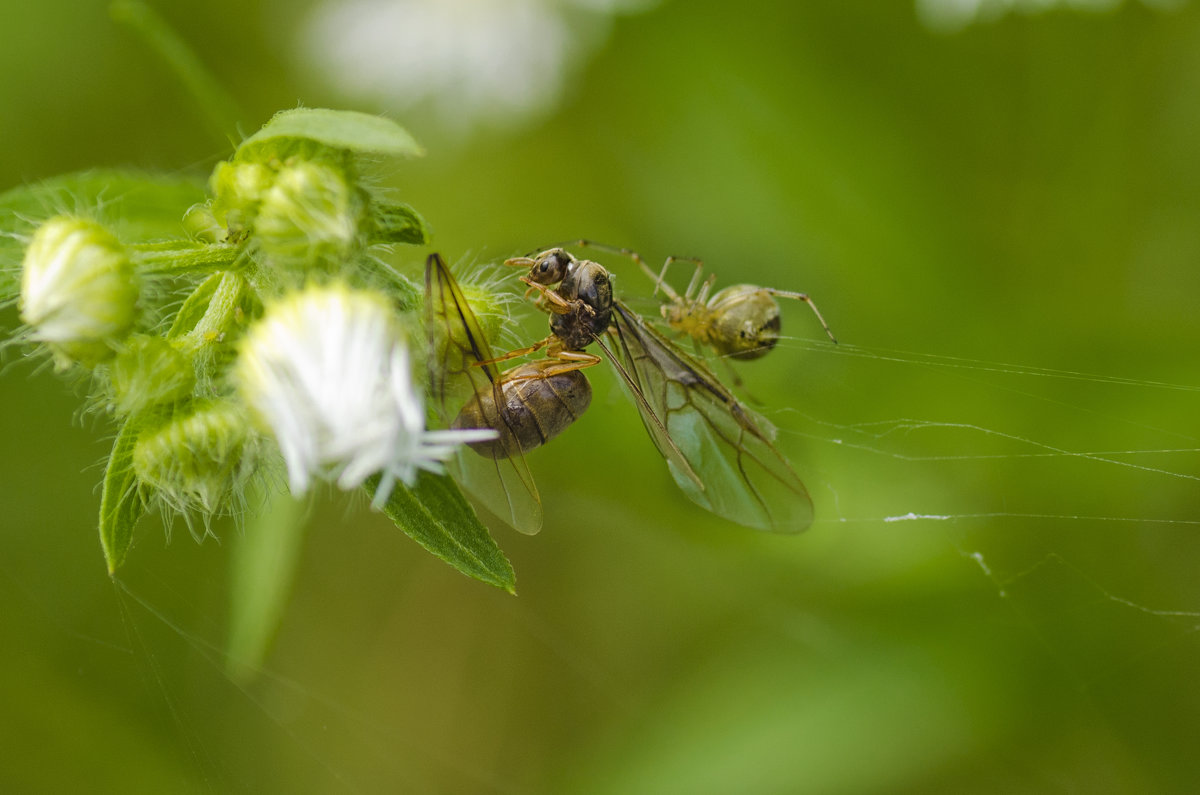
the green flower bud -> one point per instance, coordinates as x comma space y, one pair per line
238, 188
311, 215
491, 308
78, 290
197, 461
149, 371
202, 224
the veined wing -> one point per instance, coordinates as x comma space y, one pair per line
739, 475
456, 342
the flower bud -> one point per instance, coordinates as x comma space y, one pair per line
449, 342
147, 372
202, 225
311, 215
197, 461
238, 188
78, 290
491, 308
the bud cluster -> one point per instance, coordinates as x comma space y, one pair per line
299, 213
267, 331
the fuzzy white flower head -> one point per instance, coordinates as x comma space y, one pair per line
501, 61
328, 371
78, 290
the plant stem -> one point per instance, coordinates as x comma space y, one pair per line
178, 258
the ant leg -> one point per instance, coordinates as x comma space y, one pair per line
537, 346
527, 262
801, 297
659, 283
572, 360
559, 362
554, 303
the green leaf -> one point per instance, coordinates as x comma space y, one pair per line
398, 223
264, 559
435, 514
138, 207
351, 131
121, 503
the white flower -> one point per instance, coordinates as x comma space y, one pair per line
951, 16
78, 290
504, 61
327, 370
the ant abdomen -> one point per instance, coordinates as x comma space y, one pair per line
538, 404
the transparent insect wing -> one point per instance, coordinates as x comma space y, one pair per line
505, 486
729, 463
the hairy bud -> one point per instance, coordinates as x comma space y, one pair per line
196, 461
78, 290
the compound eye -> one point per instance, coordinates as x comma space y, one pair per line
551, 267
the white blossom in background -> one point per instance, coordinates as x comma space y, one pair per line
503, 61
951, 16
328, 371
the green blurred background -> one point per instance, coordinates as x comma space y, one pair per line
998, 217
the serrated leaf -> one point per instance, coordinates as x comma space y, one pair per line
121, 503
398, 223
351, 131
435, 514
264, 559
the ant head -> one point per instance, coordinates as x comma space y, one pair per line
549, 267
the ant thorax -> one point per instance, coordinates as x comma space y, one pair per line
589, 283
